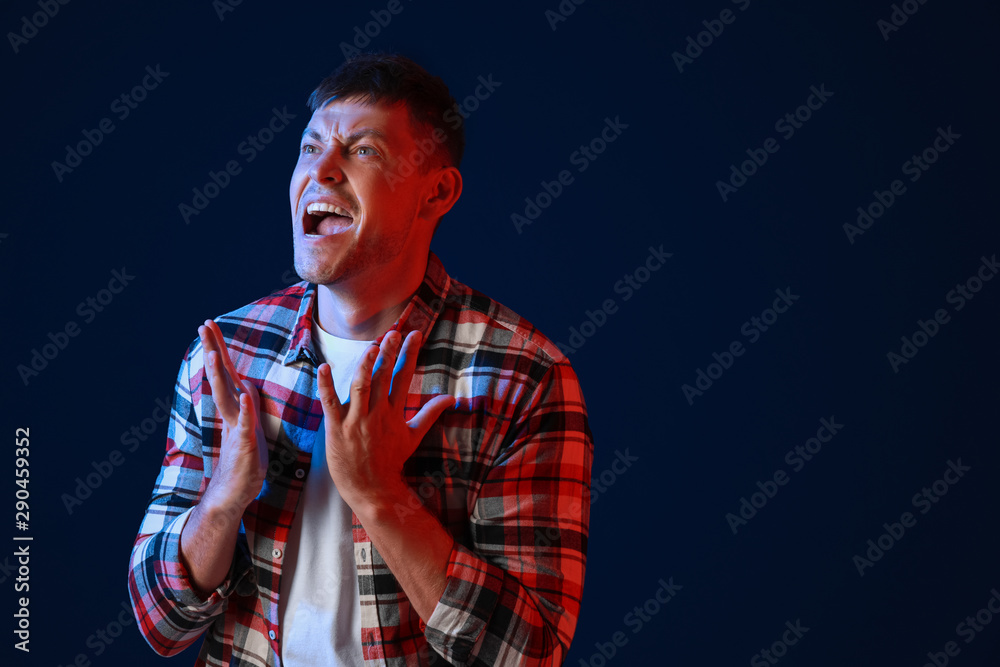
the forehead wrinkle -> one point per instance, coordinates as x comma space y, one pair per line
388, 135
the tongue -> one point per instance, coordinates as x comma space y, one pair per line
332, 224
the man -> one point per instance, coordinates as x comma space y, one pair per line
329, 500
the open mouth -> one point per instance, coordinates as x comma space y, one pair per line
323, 219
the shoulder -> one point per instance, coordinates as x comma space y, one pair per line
494, 355
472, 318
262, 328
280, 308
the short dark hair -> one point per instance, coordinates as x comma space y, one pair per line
392, 78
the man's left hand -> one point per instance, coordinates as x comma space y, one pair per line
368, 440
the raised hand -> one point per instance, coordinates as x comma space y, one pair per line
242, 466
368, 440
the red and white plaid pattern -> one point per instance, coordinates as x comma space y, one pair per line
506, 470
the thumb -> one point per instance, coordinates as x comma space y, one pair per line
429, 413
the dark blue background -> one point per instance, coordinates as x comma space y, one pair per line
665, 516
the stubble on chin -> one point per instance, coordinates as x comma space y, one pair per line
367, 258
311, 267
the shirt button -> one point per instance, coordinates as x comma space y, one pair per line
300, 473
271, 634
363, 555
277, 554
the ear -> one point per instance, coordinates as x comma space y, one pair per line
444, 189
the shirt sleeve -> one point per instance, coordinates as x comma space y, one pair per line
171, 615
514, 597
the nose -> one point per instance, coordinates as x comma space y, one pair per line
327, 168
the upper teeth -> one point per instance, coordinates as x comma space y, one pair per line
318, 206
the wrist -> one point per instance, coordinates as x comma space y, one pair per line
376, 505
221, 507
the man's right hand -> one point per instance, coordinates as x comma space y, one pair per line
208, 539
242, 466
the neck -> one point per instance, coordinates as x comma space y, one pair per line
366, 311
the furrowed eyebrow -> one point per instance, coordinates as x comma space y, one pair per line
351, 138
365, 133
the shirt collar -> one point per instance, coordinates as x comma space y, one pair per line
420, 313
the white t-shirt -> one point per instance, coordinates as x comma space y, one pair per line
319, 605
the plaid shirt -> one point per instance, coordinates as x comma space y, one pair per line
506, 471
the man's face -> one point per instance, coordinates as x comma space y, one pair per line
347, 223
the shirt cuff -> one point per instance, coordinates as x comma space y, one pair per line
176, 579
457, 625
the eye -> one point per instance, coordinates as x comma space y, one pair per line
366, 150
308, 148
